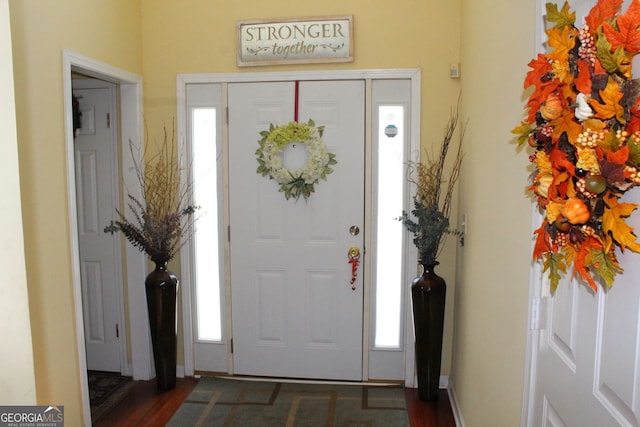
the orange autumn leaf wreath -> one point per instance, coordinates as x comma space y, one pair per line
583, 120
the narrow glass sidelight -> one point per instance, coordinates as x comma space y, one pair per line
389, 181
206, 236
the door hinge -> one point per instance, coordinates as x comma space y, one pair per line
231, 344
108, 120
538, 319
229, 233
226, 115
117, 331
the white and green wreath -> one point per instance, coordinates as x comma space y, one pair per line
297, 182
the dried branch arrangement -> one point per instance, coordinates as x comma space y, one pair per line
164, 219
432, 201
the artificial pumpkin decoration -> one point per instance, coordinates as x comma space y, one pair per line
551, 109
576, 211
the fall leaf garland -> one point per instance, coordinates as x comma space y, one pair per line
583, 120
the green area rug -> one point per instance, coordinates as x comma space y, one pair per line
229, 402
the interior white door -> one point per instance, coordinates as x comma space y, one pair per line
96, 191
587, 365
294, 311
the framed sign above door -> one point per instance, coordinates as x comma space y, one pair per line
295, 41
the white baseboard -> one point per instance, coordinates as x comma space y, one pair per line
180, 371
455, 408
444, 381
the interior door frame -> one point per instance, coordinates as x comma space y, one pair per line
536, 317
134, 261
413, 75
537, 311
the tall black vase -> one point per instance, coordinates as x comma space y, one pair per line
428, 295
162, 289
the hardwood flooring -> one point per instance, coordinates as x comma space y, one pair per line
144, 406
429, 414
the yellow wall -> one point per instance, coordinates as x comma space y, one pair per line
108, 31
161, 38
200, 37
17, 382
491, 304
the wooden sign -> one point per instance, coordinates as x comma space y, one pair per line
295, 40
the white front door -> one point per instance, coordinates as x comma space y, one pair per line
96, 193
294, 311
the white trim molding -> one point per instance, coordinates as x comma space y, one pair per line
455, 407
131, 129
535, 281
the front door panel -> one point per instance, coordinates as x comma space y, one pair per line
294, 311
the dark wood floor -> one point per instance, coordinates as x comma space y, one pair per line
429, 414
144, 406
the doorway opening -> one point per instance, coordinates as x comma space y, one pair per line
383, 341
135, 360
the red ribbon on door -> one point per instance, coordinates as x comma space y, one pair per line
295, 104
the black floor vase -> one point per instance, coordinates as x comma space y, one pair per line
162, 289
428, 295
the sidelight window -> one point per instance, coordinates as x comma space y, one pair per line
206, 241
389, 181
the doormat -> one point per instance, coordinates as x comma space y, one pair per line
230, 402
106, 389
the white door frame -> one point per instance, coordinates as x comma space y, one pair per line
130, 86
534, 315
185, 266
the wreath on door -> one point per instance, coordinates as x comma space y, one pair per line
301, 181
